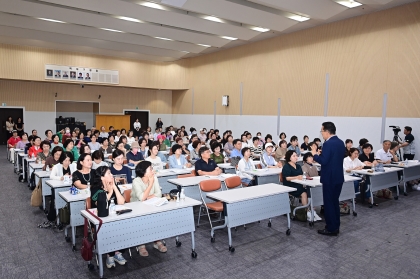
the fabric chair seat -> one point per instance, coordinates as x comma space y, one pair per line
215, 206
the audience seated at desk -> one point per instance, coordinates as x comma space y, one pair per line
282, 136
54, 159
12, 142
144, 148
69, 147
103, 134
56, 142
120, 146
217, 155
244, 141
384, 155
111, 142
352, 162
83, 176
294, 145
59, 171
84, 149
349, 145
118, 168
269, 139
146, 186
281, 151
267, 157
246, 164
236, 152
104, 182
162, 146
93, 145
256, 148
205, 165
98, 159
177, 159
308, 167
153, 157
292, 171
304, 146
130, 137
194, 154
81, 140
228, 148
362, 142
105, 148
123, 139
180, 142
48, 135
134, 156
42, 156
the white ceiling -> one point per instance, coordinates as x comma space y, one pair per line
182, 21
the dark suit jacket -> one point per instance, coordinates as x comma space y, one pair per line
331, 161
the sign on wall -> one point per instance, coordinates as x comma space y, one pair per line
81, 74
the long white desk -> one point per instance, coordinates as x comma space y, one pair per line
266, 176
411, 171
43, 176
57, 187
20, 159
16, 159
146, 223
76, 204
191, 184
229, 169
166, 174
26, 162
381, 180
316, 195
246, 205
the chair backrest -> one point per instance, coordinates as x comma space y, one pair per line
167, 165
125, 161
127, 196
186, 175
88, 203
208, 186
233, 182
281, 177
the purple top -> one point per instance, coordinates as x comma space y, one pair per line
21, 145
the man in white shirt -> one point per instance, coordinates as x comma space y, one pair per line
383, 155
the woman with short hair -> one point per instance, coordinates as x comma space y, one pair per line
118, 167
83, 176
177, 160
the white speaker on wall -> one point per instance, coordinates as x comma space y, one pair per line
225, 100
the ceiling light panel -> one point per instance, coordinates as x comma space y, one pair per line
52, 20
112, 30
152, 5
229, 38
130, 19
213, 18
298, 18
349, 3
260, 29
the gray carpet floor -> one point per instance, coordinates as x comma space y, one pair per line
382, 242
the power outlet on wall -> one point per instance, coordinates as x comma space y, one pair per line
3, 104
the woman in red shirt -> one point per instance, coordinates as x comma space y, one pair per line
35, 149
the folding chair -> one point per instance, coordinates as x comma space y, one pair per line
209, 186
234, 182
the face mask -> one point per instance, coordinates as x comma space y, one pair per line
67, 131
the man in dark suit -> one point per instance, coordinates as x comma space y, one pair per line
332, 177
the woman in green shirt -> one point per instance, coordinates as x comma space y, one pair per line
69, 147
217, 156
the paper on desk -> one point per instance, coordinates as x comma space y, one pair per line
151, 201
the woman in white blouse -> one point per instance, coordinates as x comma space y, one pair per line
153, 158
136, 127
57, 172
246, 164
130, 137
351, 163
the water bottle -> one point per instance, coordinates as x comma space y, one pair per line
48, 168
33, 155
226, 159
304, 176
406, 162
182, 196
112, 207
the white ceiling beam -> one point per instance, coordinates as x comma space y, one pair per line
100, 21
180, 20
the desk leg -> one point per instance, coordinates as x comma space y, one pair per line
312, 214
354, 207
405, 188
231, 249
43, 202
288, 224
58, 216
101, 265
371, 196
193, 253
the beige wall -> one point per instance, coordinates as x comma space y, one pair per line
27, 63
68, 106
365, 56
40, 96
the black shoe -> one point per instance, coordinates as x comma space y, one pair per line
329, 233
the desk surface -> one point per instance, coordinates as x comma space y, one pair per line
242, 194
142, 209
265, 172
30, 159
193, 181
125, 187
68, 197
374, 173
57, 184
317, 183
36, 165
397, 165
229, 166
42, 174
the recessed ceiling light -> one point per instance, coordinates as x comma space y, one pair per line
229, 38
153, 5
349, 3
260, 29
113, 30
212, 18
185, 52
52, 20
298, 18
207, 46
161, 38
129, 19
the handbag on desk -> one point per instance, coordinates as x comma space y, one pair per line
36, 197
87, 247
